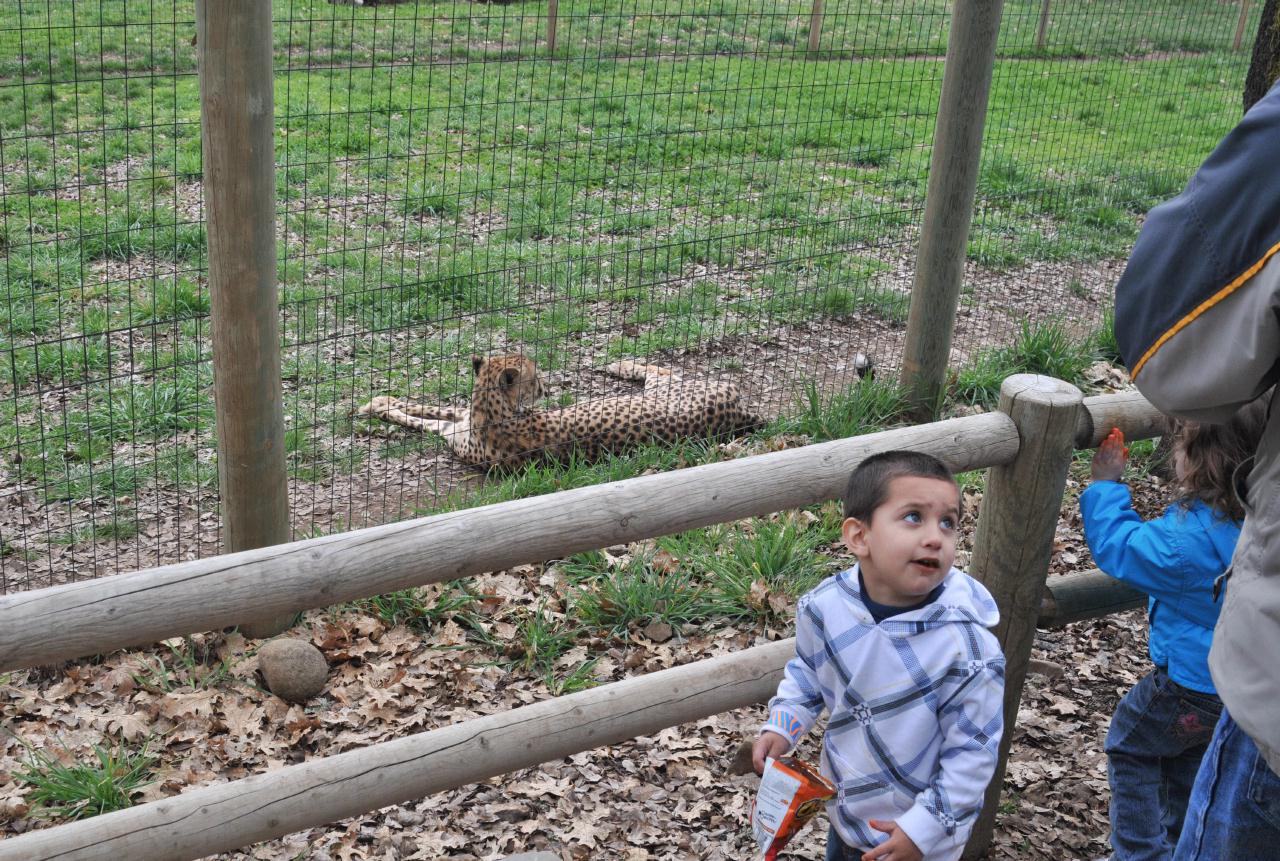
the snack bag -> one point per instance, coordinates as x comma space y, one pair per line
791, 792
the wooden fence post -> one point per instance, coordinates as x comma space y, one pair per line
1244, 18
237, 112
1014, 540
553, 12
815, 26
1042, 29
948, 209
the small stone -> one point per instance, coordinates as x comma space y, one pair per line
294, 669
742, 763
658, 632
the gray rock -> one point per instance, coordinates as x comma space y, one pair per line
294, 669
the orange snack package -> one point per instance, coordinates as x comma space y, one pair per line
791, 792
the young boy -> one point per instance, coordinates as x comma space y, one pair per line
897, 649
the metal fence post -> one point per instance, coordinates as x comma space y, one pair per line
1014, 540
237, 111
948, 212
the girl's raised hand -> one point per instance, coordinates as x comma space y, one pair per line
1110, 458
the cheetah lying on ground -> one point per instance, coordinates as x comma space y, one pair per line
500, 428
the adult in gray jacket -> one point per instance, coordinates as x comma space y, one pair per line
1198, 322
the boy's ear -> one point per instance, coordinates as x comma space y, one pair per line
854, 533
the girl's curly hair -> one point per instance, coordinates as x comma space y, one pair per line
1212, 452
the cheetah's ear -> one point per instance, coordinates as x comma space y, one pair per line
508, 378
477, 362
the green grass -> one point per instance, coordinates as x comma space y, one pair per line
726, 185
633, 595
83, 789
421, 608
871, 405
1041, 348
190, 664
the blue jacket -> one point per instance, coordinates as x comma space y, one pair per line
1174, 559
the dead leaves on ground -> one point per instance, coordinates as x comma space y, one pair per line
673, 795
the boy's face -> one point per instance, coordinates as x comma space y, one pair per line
910, 544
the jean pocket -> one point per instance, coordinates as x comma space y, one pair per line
1194, 719
1264, 792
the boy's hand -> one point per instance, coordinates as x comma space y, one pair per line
899, 847
1110, 458
769, 745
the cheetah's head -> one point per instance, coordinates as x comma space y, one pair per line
514, 379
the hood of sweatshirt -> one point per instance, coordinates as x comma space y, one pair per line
963, 600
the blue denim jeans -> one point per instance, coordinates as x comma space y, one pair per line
1235, 805
837, 850
1158, 735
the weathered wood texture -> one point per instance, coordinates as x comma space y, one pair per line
1240, 24
229, 815
1129, 411
1085, 595
948, 209
815, 26
1014, 540
95, 616
237, 110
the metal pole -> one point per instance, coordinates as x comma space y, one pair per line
948, 212
237, 111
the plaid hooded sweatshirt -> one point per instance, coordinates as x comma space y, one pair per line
915, 708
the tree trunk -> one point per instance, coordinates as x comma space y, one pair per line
1264, 68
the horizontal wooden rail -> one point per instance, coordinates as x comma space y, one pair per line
1129, 411
226, 816
96, 616
64, 622
1085, 595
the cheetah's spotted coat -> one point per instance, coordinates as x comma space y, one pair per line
501, 429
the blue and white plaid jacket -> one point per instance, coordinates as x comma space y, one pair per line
915, 708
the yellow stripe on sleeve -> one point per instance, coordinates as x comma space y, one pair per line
1202, 307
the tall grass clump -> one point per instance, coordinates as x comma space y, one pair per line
870, 406
84, 789
1044, 347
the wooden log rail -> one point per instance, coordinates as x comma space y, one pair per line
225, 816
1085, 595
92, 617
86, 618
95, 616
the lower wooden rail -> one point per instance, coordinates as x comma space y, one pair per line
225, 816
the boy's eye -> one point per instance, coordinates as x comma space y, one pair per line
948, 523
912, 517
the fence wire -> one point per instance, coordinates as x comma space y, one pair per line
730, 192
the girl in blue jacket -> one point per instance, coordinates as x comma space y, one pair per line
1162, 726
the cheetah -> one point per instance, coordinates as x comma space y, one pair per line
502, 429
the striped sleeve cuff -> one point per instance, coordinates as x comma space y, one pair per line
784, 723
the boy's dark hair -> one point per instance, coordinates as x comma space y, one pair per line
1213, 451
869, 484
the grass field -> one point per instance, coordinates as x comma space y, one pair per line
674, 178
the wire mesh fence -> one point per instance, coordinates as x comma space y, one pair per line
729, 192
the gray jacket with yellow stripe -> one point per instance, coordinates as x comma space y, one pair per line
1198, 322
